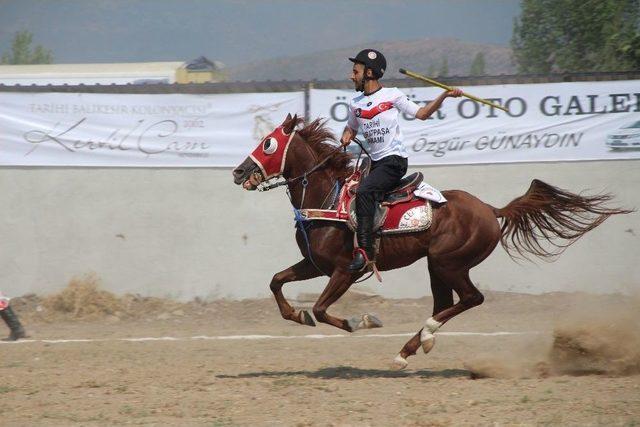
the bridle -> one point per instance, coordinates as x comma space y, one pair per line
304, 175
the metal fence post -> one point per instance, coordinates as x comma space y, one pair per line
307, 102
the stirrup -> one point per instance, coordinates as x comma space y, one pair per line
367, 263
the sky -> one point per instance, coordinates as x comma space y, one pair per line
242, 31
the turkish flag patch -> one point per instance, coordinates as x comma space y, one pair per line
370, 114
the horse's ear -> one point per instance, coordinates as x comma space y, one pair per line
290, 123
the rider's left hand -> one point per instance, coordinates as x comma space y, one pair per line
455, 92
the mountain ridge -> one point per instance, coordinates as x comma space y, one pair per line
419, 55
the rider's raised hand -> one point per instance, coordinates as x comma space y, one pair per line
454, 93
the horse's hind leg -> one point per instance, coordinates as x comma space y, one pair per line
442, 300
303, 270
469, 296
442, 294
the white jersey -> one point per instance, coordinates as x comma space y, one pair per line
377, 116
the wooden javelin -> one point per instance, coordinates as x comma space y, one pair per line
445, 87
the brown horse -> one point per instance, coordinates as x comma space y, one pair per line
463, 232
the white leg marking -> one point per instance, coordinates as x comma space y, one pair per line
427, 337
427, 341
399, 362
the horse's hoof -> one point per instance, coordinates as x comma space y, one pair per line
354, 324
306, 319
427, 340
371, 321
399, 363
367, 321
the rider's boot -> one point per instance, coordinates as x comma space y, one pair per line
10, 318
363, 254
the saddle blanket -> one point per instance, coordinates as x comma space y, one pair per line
404, 217
407, 217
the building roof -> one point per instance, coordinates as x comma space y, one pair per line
142, 69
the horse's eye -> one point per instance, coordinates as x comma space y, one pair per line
269, 146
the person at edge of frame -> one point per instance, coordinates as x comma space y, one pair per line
11, 319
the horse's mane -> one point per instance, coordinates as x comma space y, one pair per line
316, 134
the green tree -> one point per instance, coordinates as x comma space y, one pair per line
444, 67
577, 35
622, 46
22, 52
477, 66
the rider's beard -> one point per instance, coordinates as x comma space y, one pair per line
359, 85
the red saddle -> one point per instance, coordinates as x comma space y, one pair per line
400, 211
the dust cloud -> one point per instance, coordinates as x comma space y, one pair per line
589, 339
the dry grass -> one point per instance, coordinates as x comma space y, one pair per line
82, 298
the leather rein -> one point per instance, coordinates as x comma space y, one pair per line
309, 172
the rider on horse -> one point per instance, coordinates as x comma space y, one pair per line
376, 113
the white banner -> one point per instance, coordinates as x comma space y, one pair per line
72, 129
546, 122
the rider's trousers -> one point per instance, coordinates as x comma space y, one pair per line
384, 176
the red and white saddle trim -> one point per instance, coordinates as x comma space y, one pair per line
408, 217
403, 217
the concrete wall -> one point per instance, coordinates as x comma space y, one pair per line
186, 233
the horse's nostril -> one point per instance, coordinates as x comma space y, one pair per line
238, 172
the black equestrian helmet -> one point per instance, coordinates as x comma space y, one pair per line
372, 59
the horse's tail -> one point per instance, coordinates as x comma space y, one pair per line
546, 220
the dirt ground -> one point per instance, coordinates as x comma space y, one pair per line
577, 362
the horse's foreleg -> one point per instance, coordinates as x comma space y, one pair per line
338, 284
303, 270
